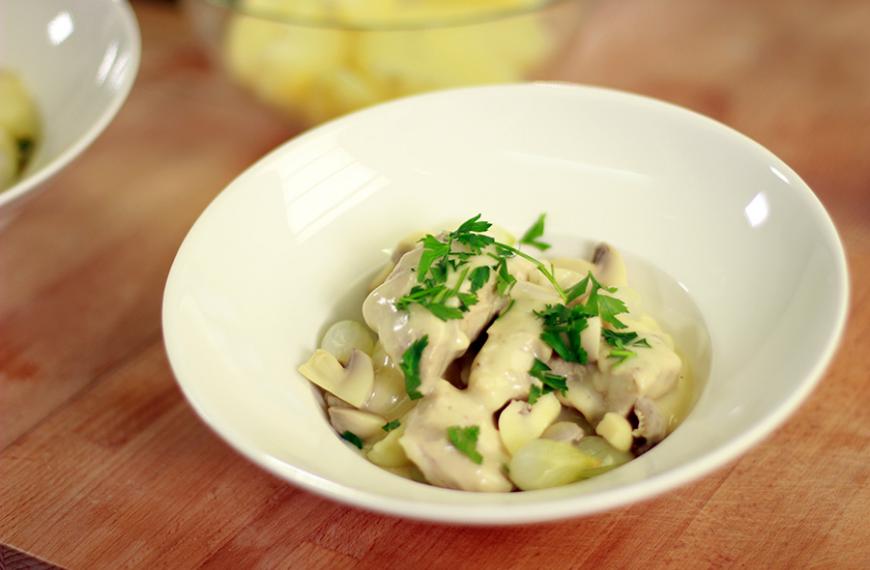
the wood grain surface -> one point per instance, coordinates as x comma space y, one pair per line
103, 464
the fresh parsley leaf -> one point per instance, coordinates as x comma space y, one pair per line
535, 393
561, 331
433, 249
470, 234
551, 381
479, 277
533, 233
608, 308
621, 341
473, 225
410, 366
391, 425
466, 300
442, 311
417, 295
555, 341
618, 339
504, 251
464, 439
352, 438
578, 289
504, 280
475, 242
622, 354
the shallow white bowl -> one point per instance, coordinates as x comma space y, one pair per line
716, 219
78, 60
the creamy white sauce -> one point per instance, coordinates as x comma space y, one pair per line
653, 387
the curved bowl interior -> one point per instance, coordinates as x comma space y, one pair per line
289, 246
78, 60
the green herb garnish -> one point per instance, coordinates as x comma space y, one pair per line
550, 381
561, 331
621, 341
533, 233
535, 392
464, 439
352, 438
391, 425
479, 277
410, 366
438, 259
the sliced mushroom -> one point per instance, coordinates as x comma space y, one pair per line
609, 267
521, 422
333, 402
567, 432
364, 424
353, 383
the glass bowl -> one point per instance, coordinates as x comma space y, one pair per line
315, 60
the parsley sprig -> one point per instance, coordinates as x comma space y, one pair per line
563, 323
410, 366
452, 253
438, 259
464, 439
532, 235
621, 341
561, 331
550, 381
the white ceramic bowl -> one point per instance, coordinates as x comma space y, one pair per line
720, 223
78, 60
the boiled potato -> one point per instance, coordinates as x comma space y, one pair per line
8, 159
322, 72
18, 116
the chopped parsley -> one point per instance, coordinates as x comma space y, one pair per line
621, 341
391, 425
562, 328
504, 280
563, 323
533, 233
410, 366
550, 381
479, 277
464, 439
352, 438
439, 258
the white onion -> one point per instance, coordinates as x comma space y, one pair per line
543, 463
344, 336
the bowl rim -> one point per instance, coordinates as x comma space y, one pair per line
374, 25
32, 181
512, 514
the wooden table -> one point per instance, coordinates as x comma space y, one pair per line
103, 464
